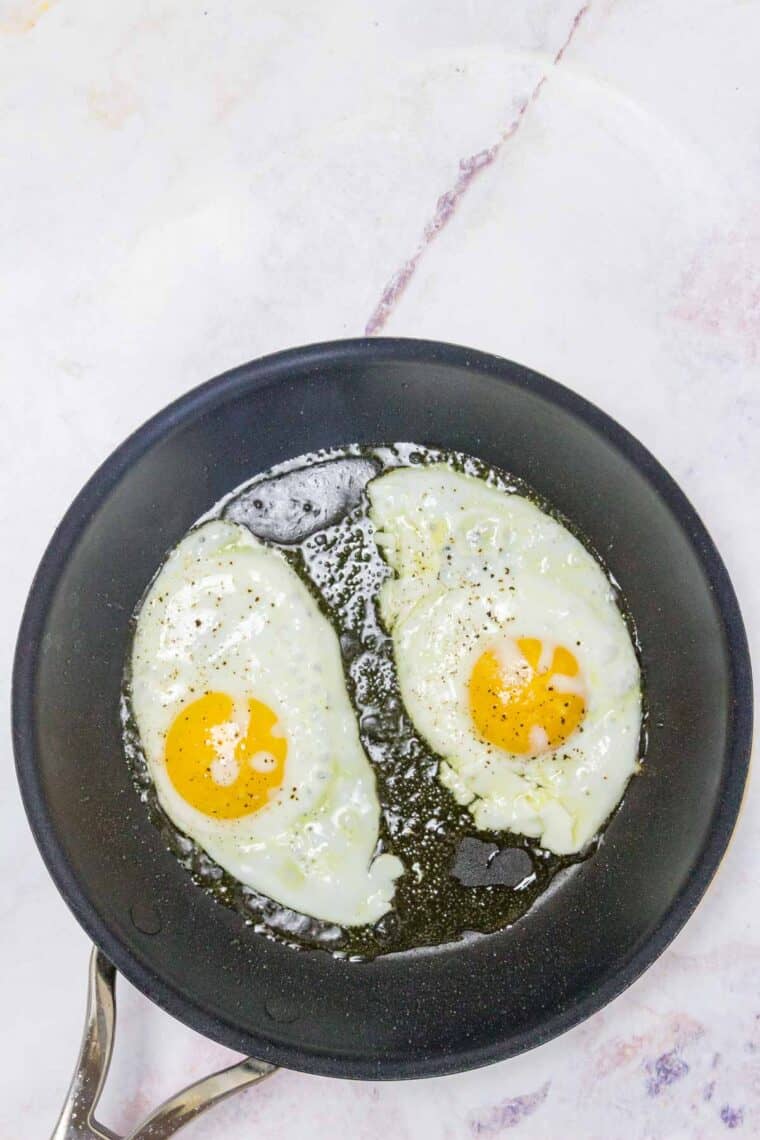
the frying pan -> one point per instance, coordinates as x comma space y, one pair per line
431, 1011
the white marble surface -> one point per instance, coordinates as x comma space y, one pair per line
190, 183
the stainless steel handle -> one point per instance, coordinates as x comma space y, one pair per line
77, 1120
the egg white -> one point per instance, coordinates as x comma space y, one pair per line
227, 614
474, 564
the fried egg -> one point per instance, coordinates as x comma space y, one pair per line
239, 698
514, 661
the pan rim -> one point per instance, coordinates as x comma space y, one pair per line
258, 374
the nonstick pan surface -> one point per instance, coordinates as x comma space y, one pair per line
431, 1011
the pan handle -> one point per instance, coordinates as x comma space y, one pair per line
77, 1120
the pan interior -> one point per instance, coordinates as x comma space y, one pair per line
458, 880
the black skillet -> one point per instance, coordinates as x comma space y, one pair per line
452, 1007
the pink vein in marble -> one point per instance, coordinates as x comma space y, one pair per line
509, 1113
720, 291
666, 1070
469, 169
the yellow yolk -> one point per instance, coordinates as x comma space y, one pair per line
220, 766
521, 707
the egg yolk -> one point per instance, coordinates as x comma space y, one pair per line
221, 765
524, 701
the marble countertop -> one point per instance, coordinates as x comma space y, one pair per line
188, 184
